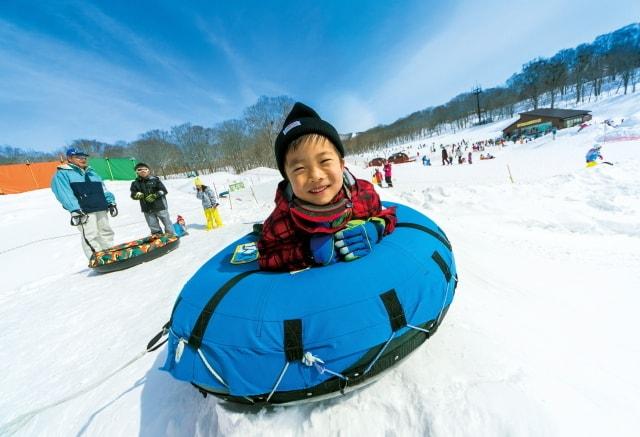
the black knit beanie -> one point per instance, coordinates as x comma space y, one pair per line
303, 120
140, 165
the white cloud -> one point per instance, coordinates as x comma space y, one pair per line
348, 113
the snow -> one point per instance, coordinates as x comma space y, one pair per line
540, 340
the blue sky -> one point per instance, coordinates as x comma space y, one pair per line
111, 70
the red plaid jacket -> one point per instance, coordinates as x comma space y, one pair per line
285, 247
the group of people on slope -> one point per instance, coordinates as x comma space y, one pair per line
81, 191
448, 159
323, 214
377, 176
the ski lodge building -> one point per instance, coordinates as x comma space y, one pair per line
541, 121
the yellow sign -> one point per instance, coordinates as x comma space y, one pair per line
528, 123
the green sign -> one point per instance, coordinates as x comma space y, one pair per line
236, 186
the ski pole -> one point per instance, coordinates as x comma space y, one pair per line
510, 177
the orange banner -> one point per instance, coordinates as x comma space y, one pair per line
18, 178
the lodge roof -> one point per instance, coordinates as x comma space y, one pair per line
555, 113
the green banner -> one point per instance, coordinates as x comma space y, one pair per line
114, 169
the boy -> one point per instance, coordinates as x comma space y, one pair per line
151, 192
322, 214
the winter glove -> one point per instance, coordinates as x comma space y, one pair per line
113, 210
78, 217
358, 238
322, 249
138, 196
150, 198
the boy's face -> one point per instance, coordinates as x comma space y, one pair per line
314, 169
143, 172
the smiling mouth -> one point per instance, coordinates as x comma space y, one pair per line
318, 190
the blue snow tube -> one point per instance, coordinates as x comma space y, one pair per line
258, 337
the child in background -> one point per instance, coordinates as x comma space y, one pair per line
179, 227
378, 177
322, 214
210, 205
387, 174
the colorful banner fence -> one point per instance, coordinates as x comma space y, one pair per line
18, 178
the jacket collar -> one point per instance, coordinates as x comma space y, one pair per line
72, 167
324, 218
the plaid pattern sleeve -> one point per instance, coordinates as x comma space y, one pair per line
282, 247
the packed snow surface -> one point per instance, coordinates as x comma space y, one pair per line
541, 339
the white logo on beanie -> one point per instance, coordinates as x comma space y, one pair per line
291, 126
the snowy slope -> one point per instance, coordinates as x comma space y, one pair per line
540, 339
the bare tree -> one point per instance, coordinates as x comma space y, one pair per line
197, 144
554, 77
263, 122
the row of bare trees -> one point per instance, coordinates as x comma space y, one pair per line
247, 142
233, 144
611, 57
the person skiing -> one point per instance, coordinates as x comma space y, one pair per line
593, 155
80, 190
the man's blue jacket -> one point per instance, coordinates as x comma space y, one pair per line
78, 189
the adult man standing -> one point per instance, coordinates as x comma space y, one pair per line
151, 192
80, 190
445, 156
